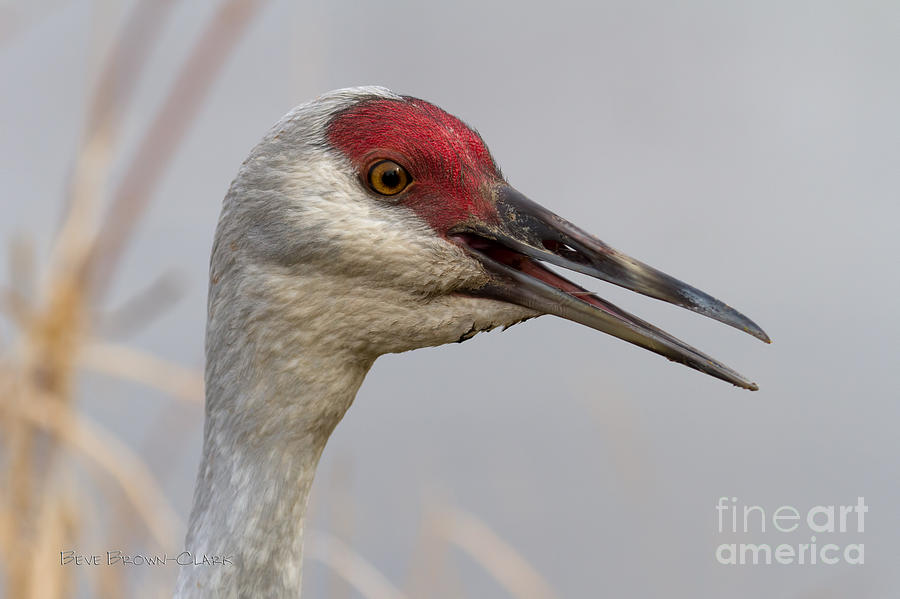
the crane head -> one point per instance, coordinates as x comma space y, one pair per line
384, 223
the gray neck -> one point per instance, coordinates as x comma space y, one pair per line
265, 430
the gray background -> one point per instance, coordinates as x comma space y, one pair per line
750, 148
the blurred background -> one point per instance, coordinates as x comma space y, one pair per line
751, 149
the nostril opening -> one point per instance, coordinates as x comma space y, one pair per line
565, 250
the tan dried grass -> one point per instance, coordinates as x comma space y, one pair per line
44, 503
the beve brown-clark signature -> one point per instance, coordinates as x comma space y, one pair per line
121, 558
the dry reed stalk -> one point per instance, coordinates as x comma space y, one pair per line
39, 370
141, 367
341, 559
341, 516
51, 333
519, 578
166, 131
57, 522
140, 309
46, 354
431, 567
56, 340
108, 453
112, 93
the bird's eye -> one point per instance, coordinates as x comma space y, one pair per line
388, 178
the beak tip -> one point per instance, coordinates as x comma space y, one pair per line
751, 328
761, 335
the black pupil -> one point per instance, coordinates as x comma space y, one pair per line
391, 178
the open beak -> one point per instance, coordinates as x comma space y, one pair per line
527, 234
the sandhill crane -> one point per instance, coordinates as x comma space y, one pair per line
366, 223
